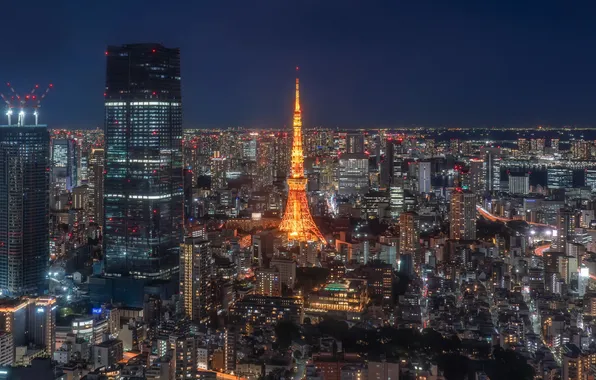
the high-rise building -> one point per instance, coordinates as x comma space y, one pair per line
249, 147
195, 278
523, 145
590, 178
554, 144
463, 215
64, 163
493, 172
353, 173
580, 149
408, 232
477, 176
537, 145
24, 209
424, 177
230, 348
268, 282
387, 164
355, 142
396, 200
143, 187
559, 178
96, 178
283, 155
519, 183
219, 171
265, 170
185, 349
80, 197
566, 223
42, 323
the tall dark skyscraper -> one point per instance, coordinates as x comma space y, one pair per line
143, 190
24, 209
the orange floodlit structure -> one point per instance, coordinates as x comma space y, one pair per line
297, 221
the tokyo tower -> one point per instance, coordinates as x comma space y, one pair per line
297, 221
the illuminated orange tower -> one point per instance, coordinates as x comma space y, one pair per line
297, 221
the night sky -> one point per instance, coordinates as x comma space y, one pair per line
363, 63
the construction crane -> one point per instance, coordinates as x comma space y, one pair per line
9, 107
30, 100
21, 105
10, 103
37, 104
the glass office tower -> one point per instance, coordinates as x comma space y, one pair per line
64, 164
24, 209
143, 191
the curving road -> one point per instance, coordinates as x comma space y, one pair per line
539, 251
485, 213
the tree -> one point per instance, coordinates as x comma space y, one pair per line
454, 366
332, 327
285, 333
507, 364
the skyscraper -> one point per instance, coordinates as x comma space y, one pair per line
96, 186
463, 215
143, 188
64, 163
493, 172
355, 142
353, 173
408, 232
477, 176
219, 169
424, 177
566, 224
195, 278
24, 209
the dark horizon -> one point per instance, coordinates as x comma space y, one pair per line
362, 65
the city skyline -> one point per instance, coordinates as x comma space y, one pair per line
426, 63
342, 247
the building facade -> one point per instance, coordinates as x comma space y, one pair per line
463, 215
64, 163
195, 278
24, 209
143, 186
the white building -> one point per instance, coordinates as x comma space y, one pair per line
6, 349
519, 183
353, 173
202, 358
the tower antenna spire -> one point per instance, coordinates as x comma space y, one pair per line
297, 106
297, 111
